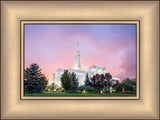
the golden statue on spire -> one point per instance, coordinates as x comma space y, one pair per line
78, 45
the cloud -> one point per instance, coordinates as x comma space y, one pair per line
54, 46
128, 64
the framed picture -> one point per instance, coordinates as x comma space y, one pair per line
69, 60
118, 36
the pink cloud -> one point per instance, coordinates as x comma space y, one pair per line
55, 47
128, 65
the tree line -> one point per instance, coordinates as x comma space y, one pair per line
36, 82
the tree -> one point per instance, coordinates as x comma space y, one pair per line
101, 81
74, 82
129, 81
127, 84
69, 81
87, 80
66, 80
34, 80
109, 81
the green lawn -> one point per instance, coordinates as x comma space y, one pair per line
77, 94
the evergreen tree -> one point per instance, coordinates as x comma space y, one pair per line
87, 80
34, 80
66, 80
74, 82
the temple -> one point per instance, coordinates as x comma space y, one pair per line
79, 70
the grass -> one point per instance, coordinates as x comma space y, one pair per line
77, 94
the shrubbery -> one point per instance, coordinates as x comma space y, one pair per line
52, 87
114, 91
127, 84
87, 89
60, 89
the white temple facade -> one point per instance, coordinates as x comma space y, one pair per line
79, 70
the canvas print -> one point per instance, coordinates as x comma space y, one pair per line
80, 60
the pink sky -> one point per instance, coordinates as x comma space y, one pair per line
110, 45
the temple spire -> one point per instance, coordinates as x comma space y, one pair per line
78, 64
